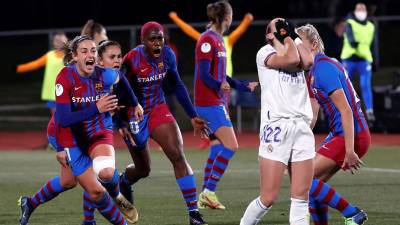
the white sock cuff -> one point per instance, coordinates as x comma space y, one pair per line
261, 205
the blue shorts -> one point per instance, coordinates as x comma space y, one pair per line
141, 130
50, 104
216, 116
53, 142
78, 160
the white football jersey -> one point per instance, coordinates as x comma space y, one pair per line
283, 94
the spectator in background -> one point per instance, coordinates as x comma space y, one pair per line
95, 30
359, 52
53, 63
335, 39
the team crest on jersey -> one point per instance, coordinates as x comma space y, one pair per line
99, 87
160, 65
270, 148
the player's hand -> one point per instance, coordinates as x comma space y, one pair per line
249, 16
292, 30
138, 112
126, 135
62, 158
352, 161
173, 15
107, 103
225, 87
252, 86
282, 30
200, 127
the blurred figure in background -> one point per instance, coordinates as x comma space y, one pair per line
53, 63
335, 38
95, 30
359, 52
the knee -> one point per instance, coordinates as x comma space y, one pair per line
96, 193
144, 172
69, 182
301, 193
233, 145
106, 174
268, 200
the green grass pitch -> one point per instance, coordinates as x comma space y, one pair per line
376, 189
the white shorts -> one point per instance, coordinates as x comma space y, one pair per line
287, 140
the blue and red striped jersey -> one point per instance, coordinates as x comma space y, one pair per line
77, 118
146, 75
210, 47
326, 76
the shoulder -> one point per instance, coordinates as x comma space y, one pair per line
110, 75
132, 53
265, 52
65, 73
206, 39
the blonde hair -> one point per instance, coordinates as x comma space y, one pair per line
312, 35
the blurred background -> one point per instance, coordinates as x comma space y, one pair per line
27, 28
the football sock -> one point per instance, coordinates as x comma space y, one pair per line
47, 192
254, 212
324, 193
219, 167
112, 186
88, 209
214, 150
187, 185
109, 210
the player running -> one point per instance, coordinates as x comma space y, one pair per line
211, 82
149, 67
349, 136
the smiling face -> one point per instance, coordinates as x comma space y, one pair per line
153, 42
85, 57
111, 57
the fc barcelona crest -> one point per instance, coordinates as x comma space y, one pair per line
99, 87
160, 65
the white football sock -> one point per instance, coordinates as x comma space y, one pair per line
254, 212
299, 212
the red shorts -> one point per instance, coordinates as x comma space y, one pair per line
159, 115
105, 137
335, 148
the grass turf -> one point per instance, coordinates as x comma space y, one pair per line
160, 203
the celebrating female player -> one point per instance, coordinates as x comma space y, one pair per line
211, 82
149, 67
349, 136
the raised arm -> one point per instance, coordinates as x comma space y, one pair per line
235, 35
33, 65
186, 28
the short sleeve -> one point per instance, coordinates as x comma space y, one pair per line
63, 87
264, 54
205, 48
327, 77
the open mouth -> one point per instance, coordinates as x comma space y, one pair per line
116, 67
90, 62
157, 51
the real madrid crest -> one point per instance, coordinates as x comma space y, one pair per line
270, 148
99, 87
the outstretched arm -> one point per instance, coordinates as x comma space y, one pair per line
186, 28
33, 65
235, 35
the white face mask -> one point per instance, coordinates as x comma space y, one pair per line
360, 15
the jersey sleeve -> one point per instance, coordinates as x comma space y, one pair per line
205, 48
309, 88
327, 77
264, 54
63, 87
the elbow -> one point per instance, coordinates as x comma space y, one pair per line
293, 61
